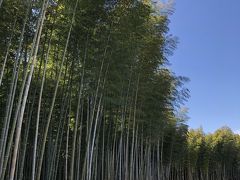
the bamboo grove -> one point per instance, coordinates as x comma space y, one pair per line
86, 94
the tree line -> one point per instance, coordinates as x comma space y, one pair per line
86, 93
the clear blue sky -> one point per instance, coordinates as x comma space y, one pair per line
209, 54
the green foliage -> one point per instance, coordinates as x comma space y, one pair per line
117, 63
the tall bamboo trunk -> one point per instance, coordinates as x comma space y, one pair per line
19, 125
54, 97
38, 112
11, 96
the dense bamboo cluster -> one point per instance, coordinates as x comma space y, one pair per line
85, 93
